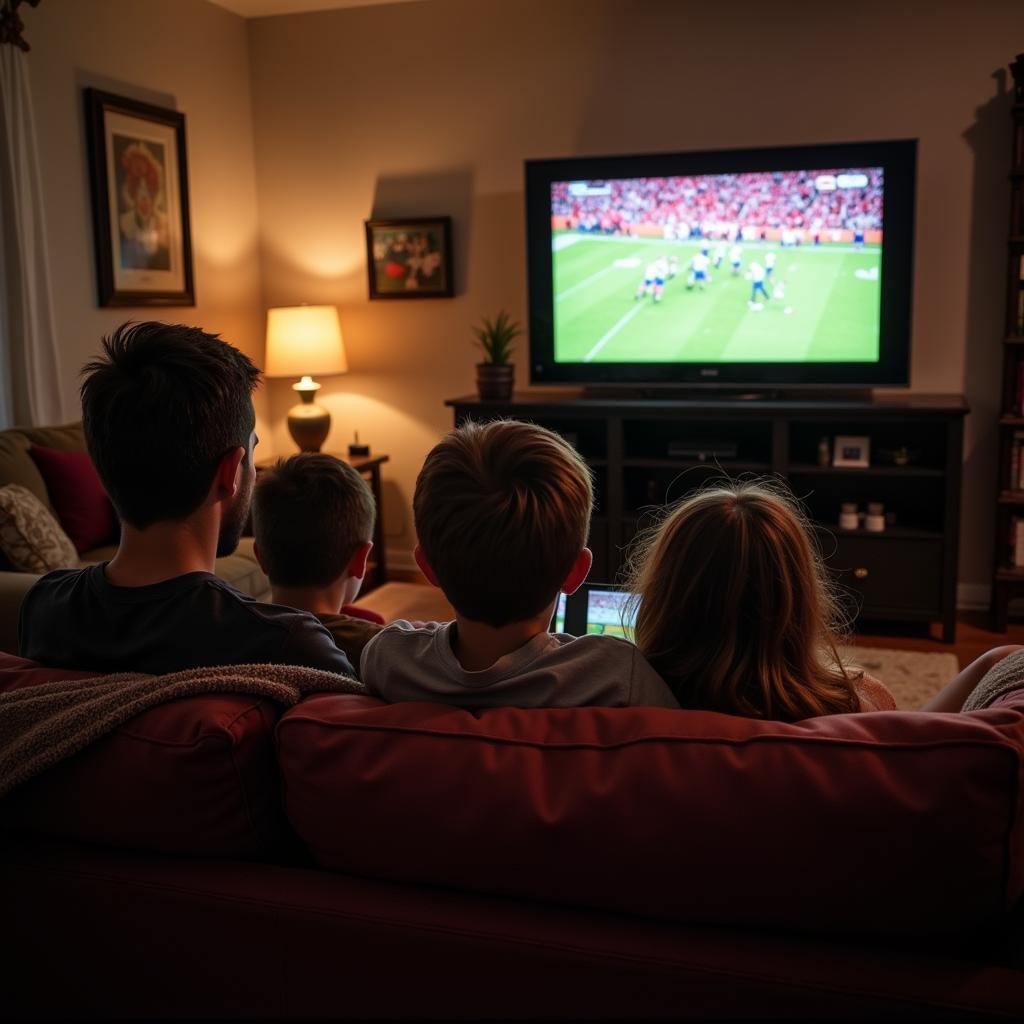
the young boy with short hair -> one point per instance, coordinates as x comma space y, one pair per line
313, 518
502, 512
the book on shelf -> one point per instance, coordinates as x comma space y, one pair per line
1015, 480
1016, 542
1020, 299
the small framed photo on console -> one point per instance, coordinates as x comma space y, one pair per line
410, 259
852, 452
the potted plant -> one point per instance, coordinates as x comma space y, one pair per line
496, 375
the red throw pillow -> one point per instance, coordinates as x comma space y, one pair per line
77, 496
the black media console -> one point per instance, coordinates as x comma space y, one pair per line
645, 452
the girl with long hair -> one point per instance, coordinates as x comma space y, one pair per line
735, 610
736, 613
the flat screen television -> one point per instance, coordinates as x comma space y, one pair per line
746, 268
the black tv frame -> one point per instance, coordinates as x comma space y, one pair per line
897, 157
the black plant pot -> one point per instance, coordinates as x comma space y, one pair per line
494, 381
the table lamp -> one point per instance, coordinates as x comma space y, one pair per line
302, 341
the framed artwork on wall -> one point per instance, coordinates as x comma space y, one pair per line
139, 178
410, 259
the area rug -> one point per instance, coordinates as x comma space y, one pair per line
914, 677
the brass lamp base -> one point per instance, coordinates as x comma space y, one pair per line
308, 423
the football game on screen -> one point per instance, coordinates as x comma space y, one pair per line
607, 611
780, 266
610, 611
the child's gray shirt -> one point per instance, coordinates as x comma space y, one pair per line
553, 670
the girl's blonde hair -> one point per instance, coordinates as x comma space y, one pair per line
735, 610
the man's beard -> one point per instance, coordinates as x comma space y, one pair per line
234, 520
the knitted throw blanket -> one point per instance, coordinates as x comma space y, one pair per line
42, 725
1004, 676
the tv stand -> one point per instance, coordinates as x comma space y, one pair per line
650, 447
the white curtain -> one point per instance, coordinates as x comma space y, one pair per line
29, 382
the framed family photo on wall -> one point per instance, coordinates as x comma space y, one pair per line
410, 259
139, 178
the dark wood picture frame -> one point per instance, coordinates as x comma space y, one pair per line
141, 216
405, 269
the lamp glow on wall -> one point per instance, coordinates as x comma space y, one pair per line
303, 341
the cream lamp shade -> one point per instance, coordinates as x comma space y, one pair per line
302, 341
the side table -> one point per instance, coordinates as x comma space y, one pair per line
369, 467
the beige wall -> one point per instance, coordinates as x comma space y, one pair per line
432, 108
185, 54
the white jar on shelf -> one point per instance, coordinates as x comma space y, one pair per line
874, 521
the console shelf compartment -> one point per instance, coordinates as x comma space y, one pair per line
889, 533
907, 573
904, 472
724, 465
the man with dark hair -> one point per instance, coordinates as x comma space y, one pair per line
169, 423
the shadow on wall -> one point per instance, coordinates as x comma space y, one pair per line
319, 279
443, 193
989, 139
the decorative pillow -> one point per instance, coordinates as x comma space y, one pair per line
31, 540
81, 503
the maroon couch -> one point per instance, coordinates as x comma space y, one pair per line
217, 858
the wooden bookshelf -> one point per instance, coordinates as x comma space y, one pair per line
1008, 579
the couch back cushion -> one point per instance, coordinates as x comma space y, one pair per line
194, 776
16, 465
886, 822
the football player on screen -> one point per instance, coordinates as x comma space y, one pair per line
647, 283
660, 274
698, 271
735, 257
756, 276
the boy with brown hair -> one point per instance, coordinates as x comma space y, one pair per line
313, 518
502, 512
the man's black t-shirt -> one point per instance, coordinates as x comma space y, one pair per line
75, 618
